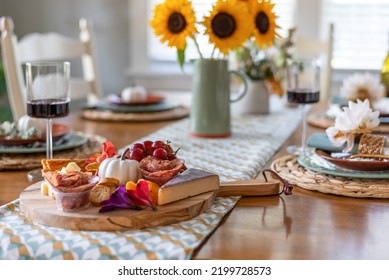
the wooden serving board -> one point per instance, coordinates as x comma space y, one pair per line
43, 209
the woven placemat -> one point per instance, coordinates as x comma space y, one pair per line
291, 170
320, 120
106, 115
31, 161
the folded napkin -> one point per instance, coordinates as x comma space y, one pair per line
321, 141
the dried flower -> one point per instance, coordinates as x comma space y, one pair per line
107, 151
357, 118
266, 64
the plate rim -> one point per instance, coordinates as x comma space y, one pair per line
138, 109
24, 150
65, 129
340, 172
160, 98
339, 161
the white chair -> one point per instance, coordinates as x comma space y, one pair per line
47, 47
323, 49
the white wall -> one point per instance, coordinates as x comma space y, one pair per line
110, 19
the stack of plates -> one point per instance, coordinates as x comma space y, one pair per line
63, 139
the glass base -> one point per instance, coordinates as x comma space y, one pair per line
295, 150
35, 175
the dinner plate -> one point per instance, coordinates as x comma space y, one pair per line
71, 140
310, 160
150, 100
355, 164
59, 130
158, 107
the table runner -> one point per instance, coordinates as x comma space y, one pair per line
254, 140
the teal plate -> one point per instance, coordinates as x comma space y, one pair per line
159, 107
310, 160
72, 140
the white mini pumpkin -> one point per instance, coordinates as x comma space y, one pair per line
25, 122
134, 94
122, 169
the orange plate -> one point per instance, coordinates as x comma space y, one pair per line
59, 130
151, 99
354, 164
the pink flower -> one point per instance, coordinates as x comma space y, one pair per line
141, 195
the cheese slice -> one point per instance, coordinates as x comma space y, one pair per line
189, 183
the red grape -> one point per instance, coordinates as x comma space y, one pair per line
137, 146
137, 154
157, 144
148, 147
160, 153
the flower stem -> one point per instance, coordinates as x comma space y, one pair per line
198, 47
213, 52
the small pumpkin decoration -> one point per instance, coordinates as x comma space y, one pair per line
120, 168
25, 122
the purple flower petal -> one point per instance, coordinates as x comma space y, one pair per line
118, 199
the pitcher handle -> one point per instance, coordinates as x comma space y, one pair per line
243, 77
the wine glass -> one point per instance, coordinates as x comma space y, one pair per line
48, 96
303, 87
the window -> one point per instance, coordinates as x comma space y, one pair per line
361, 37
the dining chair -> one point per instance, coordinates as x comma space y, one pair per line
42, 47
323, 49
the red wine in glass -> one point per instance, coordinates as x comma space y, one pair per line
48, 108
303, 96
303, 84
48, 97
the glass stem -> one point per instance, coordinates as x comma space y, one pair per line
304, 128
49, 139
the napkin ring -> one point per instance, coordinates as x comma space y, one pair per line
371, 144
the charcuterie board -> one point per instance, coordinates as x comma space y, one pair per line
43, 210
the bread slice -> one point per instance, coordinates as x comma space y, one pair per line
109, 182
100, 193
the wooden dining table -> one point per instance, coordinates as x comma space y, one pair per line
305, 225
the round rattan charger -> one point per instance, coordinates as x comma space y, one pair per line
292, 171
31, 161
106, 115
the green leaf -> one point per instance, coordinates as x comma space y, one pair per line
181, 58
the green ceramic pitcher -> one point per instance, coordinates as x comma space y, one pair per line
210, 112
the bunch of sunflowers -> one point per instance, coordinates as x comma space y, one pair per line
228, 25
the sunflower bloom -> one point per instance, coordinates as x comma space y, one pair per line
227, 25
264, 23
174, 21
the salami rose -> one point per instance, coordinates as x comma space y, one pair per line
160, 171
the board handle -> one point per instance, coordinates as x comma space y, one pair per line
251, 187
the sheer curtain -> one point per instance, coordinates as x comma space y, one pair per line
361, 38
